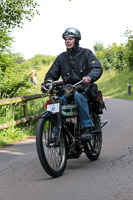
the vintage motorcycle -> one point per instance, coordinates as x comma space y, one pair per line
58, 129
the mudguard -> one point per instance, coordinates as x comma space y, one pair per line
44, 114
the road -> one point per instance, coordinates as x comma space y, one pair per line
108, 178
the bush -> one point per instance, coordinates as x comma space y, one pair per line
13, 75
112, 57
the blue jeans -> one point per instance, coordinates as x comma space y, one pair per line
81, 101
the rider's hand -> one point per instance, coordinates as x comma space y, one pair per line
86, 80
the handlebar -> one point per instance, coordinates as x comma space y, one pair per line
48, 85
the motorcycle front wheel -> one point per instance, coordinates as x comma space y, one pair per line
93, 147
51, 149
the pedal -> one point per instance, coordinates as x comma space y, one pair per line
97, 131
103, 124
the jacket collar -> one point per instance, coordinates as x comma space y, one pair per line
73, 52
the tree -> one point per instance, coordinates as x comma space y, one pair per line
130, 53
112, 57
5, 40
98, 46
129, 50
12, 12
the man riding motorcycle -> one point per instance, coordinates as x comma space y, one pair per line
74, 65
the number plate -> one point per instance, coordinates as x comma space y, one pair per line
54, 108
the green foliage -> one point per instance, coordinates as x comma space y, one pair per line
13, 75
36, 60
39, 60
9, 60
129, 49
114, 84
14, 134
5, 40
47, 60
14, 71
130, 53
9, 113
98, 46
12, 12
14, 83
112, 57
116, 57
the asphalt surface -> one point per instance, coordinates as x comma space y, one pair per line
108, 178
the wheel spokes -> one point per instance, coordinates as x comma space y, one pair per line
53, 153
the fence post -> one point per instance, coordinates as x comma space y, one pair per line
16, 100
129, 88
25, 109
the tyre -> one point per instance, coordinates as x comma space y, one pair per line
93, 147
52, 153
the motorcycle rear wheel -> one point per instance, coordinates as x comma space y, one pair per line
53, 156
93, 147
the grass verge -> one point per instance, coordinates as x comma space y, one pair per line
15, 134
114, 84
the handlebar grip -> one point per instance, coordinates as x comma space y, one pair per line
43, 89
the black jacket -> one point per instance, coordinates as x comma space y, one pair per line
73, 67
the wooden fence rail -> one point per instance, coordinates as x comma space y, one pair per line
19, 100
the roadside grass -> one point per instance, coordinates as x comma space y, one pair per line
17, 133
114, 84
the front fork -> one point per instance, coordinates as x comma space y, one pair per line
59, 129
54, 132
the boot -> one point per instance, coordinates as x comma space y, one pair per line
86, 134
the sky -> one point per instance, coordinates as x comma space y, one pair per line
97, 20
